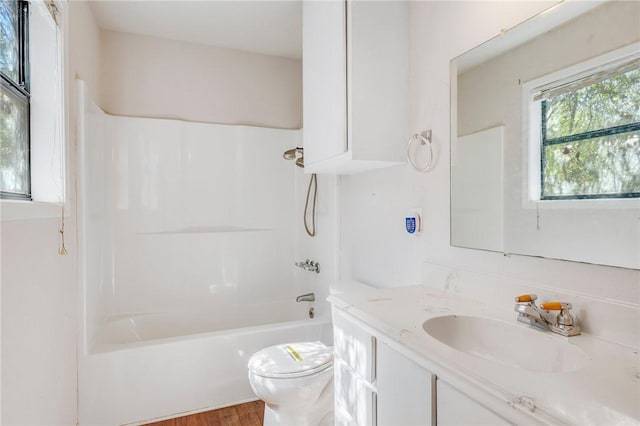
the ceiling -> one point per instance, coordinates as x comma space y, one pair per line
267, 27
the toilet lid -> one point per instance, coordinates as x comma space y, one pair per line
291, 360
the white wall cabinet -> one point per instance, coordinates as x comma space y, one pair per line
355, 85
456, 409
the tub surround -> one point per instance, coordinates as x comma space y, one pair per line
180, 216
606, 391
188, 234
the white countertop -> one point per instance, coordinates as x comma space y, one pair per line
605, 392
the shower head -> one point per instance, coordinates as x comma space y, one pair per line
291, 154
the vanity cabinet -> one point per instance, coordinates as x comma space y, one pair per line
375, 384
456, 409
355, 85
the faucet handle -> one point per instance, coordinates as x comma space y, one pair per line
526, 298
564, 318
565, 324
556, 306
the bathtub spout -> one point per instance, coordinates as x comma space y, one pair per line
309, 297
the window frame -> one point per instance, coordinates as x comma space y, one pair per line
578, 137
21, 89
533, 154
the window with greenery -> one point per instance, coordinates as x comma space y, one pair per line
591, 136
14, 100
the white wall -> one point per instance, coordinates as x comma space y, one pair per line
151, 77
39, 287
374, 246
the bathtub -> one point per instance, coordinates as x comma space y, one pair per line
160, 365
130, 329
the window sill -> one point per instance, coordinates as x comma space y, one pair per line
12, 210
597, 203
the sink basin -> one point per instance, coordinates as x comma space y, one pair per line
505, 343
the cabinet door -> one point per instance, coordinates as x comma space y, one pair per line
404, 390
354, 346
355, 399
378, 80
455, 408
324, 80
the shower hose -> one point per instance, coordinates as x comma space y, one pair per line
313, 181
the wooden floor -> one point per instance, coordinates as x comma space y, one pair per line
249, 414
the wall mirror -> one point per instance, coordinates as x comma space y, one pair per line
545, 137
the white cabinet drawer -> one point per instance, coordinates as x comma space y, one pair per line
354, 346
355, 399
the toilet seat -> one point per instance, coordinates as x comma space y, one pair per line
291, 360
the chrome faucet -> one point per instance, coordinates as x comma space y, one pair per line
309, 265
309, 297
542, 317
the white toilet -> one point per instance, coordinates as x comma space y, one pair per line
295, 380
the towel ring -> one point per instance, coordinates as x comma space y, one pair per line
425, 140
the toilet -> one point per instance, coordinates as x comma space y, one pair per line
295, 380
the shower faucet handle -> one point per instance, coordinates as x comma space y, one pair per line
309, 265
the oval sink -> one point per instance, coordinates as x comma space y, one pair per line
505, 343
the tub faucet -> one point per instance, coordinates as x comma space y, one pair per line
309, 297
542, 317
309, 265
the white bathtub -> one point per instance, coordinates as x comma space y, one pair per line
135, 328
154, 366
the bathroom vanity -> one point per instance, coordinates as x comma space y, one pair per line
417, 355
